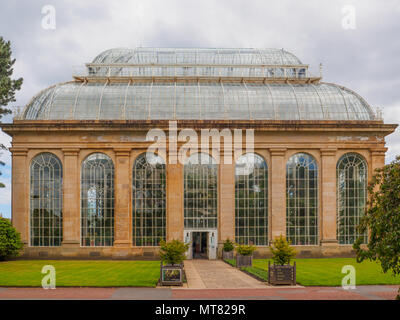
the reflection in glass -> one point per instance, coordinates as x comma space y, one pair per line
97, 197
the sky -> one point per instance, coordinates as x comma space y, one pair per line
357, 42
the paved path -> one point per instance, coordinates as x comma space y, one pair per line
216, 274
267, 293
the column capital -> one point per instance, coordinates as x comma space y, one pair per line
278, 151
18, 151
328, 151
122, 152
70, 151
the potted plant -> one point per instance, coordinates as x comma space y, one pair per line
172, 254
227, 250
282, 272
244, 255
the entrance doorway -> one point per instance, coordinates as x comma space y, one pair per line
200, 245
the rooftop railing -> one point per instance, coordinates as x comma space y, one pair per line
192, 70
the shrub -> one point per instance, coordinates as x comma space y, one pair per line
10, 240
245, 249
282, 253
228, 245
173, 252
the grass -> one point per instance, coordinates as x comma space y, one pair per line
327, 272
27, 273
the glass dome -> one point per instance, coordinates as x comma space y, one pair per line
198, 101
197, 84
223, 56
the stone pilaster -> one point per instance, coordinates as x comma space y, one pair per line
226, 220
278, 192
71, 196
20, 193
377, 160
328, 197
122, 237
175, 223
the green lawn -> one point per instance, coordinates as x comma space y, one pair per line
327, 272
27, 273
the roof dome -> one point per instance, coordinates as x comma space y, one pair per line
197, 84
197, 101
212, 56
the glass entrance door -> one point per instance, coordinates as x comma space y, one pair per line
200, 245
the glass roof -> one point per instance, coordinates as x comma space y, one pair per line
213, 56
197, 101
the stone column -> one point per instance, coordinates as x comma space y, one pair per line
71, 199
328, 197
122, 202
175, 189
278, 192
226, 219
20, 193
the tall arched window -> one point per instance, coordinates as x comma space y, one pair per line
97, 197
251, 197
351, 182
302, 200
46, 200
200, 192
148, 200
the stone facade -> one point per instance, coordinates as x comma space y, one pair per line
71, 141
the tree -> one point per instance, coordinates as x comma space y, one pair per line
10, 240
382, 220
8, 86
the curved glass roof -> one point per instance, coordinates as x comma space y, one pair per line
196, 100
212, 56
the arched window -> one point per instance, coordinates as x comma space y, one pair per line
97, 196
200, 192
148, 200
302, 200
351, 182
46, 200
251, 197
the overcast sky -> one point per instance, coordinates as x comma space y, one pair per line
365, 59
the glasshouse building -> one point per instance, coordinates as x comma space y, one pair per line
286, 153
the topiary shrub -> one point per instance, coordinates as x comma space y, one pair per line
282, 253
173, 252
10, 240
228, 245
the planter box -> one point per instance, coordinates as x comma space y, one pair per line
171, 274
285, 274
227, 255
244, 261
